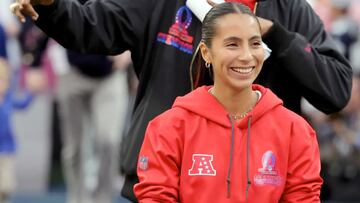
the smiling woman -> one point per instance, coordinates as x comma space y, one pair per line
234, 137
236, 55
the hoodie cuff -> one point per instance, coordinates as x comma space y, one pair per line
45, 11
278, 38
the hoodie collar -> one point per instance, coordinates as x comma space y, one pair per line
202, 103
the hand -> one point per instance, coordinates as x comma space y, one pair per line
36, 81
265, 25
23, 8
211, 3
122, 61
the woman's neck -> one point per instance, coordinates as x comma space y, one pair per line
236, 103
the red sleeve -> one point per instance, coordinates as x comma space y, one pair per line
159, 163
303, 182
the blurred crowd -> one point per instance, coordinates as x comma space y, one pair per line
339, 134
90, 97
38, 65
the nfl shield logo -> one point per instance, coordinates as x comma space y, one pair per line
143, 163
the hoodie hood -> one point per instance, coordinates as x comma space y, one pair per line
201, 102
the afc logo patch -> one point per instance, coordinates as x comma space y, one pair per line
202, 165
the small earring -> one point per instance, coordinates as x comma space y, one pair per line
207, 64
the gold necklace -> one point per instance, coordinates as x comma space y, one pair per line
241, 116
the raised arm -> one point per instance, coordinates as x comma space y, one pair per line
102, 27
309, 55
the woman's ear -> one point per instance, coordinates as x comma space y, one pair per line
205, 53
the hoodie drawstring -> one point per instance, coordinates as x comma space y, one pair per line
248, 158
228, 178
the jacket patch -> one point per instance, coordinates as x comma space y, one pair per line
143, 163
268, 175
202, 165
177, 35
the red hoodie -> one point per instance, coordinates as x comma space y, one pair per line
194, 153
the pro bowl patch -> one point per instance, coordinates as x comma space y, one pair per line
268, 175
177, 35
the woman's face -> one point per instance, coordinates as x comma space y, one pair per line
236, 52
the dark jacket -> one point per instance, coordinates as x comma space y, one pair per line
162, 36
91, 65
3, 53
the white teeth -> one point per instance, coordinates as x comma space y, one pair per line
243, 70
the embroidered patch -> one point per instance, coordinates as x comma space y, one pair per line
268, 175
177, 35
202, 165
143, 163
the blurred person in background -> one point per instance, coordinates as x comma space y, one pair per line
91, 100
304, 61
323, 9
343, 28
10, 100
341, 20
12, 29
354, 10
354, 13
92, 97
